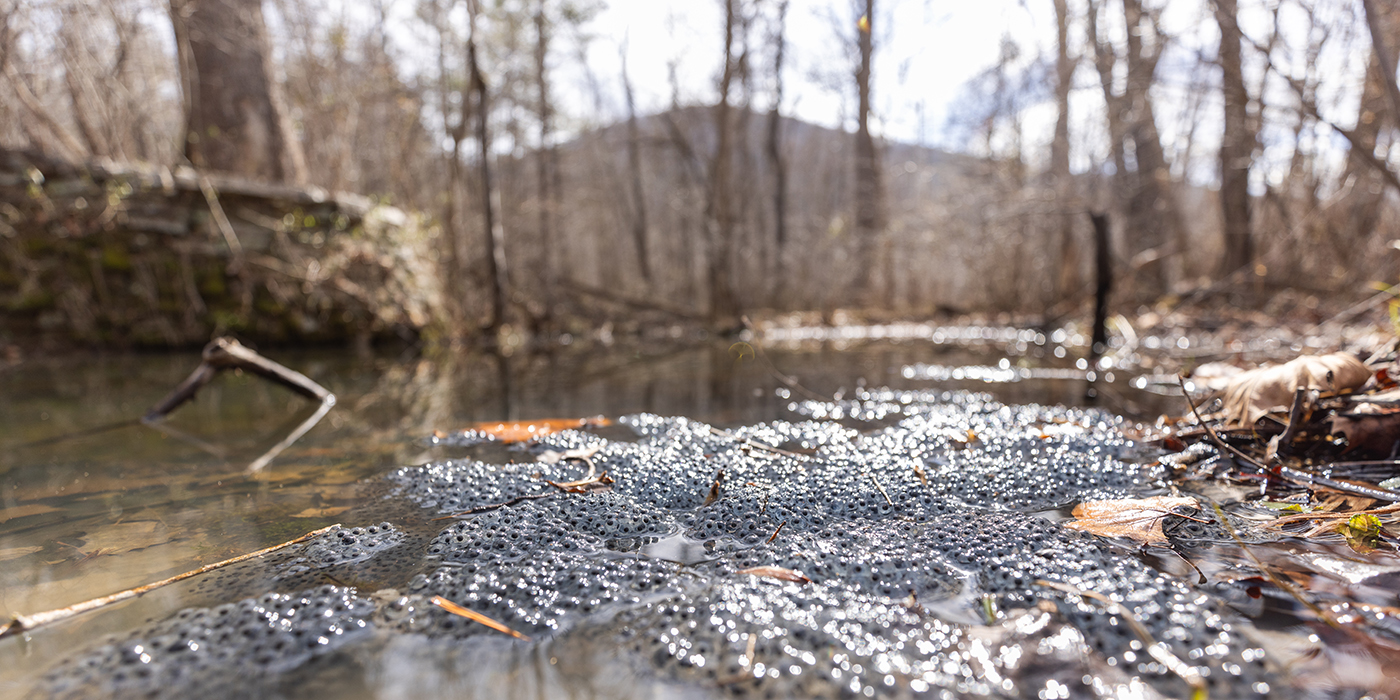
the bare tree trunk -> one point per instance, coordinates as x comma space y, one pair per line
773, 149
236, 119
869, 194
495, 233
1067, 281
1363, 169
1236, 144
724, 303
452, 228
1104, 61
634, 170
1152, 210
544, 160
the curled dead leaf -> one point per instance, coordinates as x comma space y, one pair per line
1250, 395
1137, 519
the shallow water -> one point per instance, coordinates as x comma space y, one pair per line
96, 510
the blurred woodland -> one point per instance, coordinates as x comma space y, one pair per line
1282, 172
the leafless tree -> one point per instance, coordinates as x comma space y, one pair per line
1237, 142
236, 119
870, 219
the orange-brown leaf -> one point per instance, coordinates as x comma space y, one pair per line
1134, 518
520, 431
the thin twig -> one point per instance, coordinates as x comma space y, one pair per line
477, 617
26, 623
1157, 650
494, 506
774, 536
756, 444
1211, 431
882, 488
788, 381
1269, 574
582, 485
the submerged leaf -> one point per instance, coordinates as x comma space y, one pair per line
1134, 518
1363, 532
1250, 395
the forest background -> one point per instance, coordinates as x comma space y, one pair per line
770, 154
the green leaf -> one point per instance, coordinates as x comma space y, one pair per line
1363, 532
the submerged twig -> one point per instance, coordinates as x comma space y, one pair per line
787, 380
582, 485
25, 623
1269, 574
1157, 650
477, 617
750, 442
494, 506
774, 536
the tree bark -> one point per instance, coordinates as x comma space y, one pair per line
1236, 144
495, 232
1363, 170
869, 193
724, 303
773, 147
1067, 281
1152, 209
545, 161
634, 170
235, 117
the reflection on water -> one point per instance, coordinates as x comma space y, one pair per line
113, 504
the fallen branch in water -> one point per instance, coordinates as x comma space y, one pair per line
25, 623
226, 353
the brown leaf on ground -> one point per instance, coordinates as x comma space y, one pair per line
1250, 395
1137, 519
1368, 433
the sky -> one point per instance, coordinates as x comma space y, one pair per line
927, 54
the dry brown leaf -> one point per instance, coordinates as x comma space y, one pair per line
1134, 518
1250, 395
1368, 433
